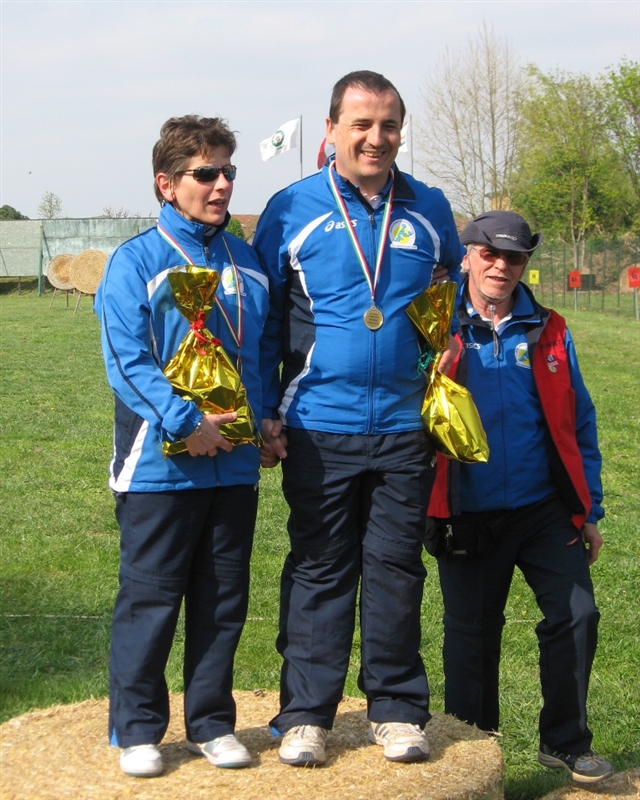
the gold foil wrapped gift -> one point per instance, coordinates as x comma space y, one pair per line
448, 410
201, 370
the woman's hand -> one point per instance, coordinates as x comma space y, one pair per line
206, 440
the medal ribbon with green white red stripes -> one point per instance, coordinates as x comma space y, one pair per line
236, 332
372, 281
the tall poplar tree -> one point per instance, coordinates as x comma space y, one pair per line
468, 127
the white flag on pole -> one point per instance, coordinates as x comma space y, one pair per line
282, 140
404, 138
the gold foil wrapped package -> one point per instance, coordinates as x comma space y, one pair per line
452, 419
201, 371
448, 410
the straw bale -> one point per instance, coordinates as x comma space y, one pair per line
86, 270
621, 785
62, 752
58, 272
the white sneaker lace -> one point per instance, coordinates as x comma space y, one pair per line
396, 729
308, 733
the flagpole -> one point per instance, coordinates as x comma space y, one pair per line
411, 133
301, 174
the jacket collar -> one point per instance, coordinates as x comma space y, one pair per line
401, 188
185, 230
526, 308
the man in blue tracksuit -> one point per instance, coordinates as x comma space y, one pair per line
186, 521
346, 252
535, 504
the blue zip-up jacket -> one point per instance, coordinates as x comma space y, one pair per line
497, 369
142, 330
337, 375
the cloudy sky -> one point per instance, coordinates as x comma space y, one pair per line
86, 84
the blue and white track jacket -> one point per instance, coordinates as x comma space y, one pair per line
337, 375
142, 330
500, 377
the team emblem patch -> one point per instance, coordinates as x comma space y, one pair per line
402, 234
228, 281
552, 364
277, 140
522, 355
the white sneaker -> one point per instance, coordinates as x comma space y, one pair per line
303, 746
225, 751
402, 741
141, 761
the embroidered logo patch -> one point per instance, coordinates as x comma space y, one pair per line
552, 364
403, 234
228, 281
522, 355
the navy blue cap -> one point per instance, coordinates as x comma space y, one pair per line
504, 230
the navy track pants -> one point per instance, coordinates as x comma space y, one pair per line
542, 542
196, 545
358, 517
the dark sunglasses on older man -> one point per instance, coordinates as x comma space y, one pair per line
210, 174
514, 258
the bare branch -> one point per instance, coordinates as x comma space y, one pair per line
468, 130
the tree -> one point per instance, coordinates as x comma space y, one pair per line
50, 206
121, 213
9, 212
468, 130
622, 87
571, 183
236, 228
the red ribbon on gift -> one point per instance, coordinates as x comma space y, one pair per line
197, 326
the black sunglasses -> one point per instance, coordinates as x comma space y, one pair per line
514, 258
210, 174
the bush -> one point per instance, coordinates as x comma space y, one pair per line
236, 229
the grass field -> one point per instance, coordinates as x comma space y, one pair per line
59, 542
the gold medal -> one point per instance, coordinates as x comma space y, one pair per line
373, 318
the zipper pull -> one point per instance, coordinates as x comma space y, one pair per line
496, 341
448, 538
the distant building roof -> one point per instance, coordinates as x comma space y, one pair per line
248, 222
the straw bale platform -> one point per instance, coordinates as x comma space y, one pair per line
62, 752
621, 786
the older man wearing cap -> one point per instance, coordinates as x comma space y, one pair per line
534, 505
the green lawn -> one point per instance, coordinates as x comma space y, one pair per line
59, 541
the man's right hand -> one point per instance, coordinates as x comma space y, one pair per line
274, 445
439, 274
